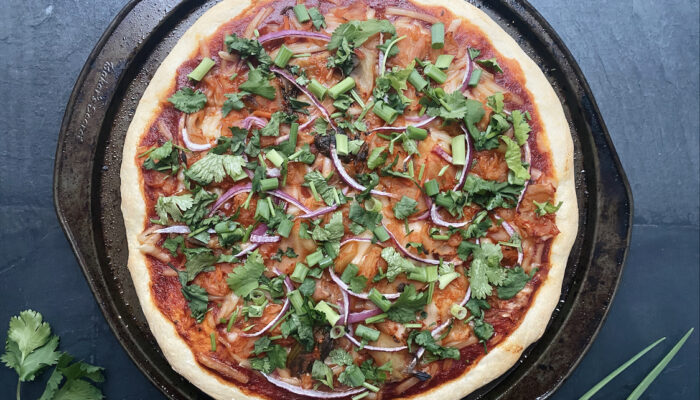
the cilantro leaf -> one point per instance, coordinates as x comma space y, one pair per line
322, 373
363, 218
275, 357
332, 231
75, 388
491, 64
339, 356
515, 281
425, 339
485, 269
163, 158
172, 206
187, 100
396, 263
352, 376
405, 208
483, 330
478, 226
491, 194
174, 243
273, 126
248, 48
327, 192
258, 83
476, 307
233, 102
546, 208
195, 214
495, 101
521, 128
196, 296
515, 166
317, 20
357, 32
214, 167
374, 373
30, 347
404, 309
198, 259
244, 278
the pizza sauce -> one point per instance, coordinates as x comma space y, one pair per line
349, 199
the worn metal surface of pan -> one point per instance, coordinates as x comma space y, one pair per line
87, 199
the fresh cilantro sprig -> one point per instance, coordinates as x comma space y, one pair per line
30, 347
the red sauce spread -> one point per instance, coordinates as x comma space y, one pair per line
230, 359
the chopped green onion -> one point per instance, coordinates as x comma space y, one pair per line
325, 262
420, 173
232, 320
269, 184
341, 87
302, 13
314, 191
285, 227
317, 89
360, 396
283, 56
370, 386
444, 60
296, 300
278, 337
375, 157
269, 204
431, 187
431, 290
458, 150
377, 318
212, 339
302, 55
379, 300
437, 32
372, 204
385, 112
300, 273
341, 144
425, 274
256, 33
367, 333
313, 258
639, 390
381, 234
411, 172
445, 280
330, 314
435, 74
204, 66
337, 331
275, 157
262, 211
474, 79
413, 326
257, 297
458, 311
357, 98
416, 133
442, 170
337, 114
415, 79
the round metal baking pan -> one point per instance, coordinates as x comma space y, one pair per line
87, 199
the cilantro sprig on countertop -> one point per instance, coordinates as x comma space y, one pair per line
30, 348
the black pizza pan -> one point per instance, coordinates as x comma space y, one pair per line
87, 198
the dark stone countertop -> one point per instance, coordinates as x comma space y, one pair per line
641, 58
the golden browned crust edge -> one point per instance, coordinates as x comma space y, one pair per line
491, 366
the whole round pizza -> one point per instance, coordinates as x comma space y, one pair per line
347, 199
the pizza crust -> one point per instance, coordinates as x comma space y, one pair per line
492, 365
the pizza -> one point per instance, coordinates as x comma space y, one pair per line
347, 199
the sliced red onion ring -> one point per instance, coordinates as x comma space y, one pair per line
286, 75
405, 251
373, 348
288, 198
423, 216
251, 121
319, 212
509, 229
467, 74
348, 179
174, 229
312, 393
437, 149
437, 219
528, 160
234, 190
402, 128
308, 123
362, 315
186, 138
247, 250
346, 306
363, 296
281, 139
467, 160
354, 239
272, 323
293, 33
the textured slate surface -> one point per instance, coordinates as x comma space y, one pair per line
641, 59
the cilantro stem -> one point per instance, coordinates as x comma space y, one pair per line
618, 371
386, 54
19, 386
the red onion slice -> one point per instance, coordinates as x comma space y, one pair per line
293, 33
174, 229
348, 179
234, 190
312, 393
286, 75
437, 219
405, 251
319, 212
437, 149
281, 139
509, 229
402, 128
467, 160
247, 250
528, 160
373, 348
307, 123
274, 172
346, 306
467, 74
343, 286
354, 239
362, 315
288, 198
251, 121
272, 323
186, 138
